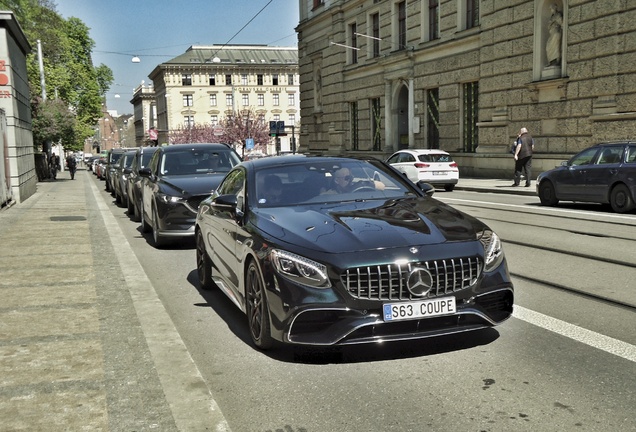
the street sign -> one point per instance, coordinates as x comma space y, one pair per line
249, 143
218, 130
153, 134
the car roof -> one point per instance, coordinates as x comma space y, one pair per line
194, 146
422, 151
292, 159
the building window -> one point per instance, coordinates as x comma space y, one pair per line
290, 79
353, 123
186, 79
188, 121
275, 79
432, 118
212, 100
214, 120
401, 25
261, 118
228, 79
229, 100
246, 99
261, 99
243, 79
318, 3
376, 123
187, 100
259, 79
470, 115
292, 119
353, 44
375, 34
433, 19
291, 99
212, 80
276, 117
472, 13
276, 99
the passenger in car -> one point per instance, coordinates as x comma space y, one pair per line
272, 190
343, 182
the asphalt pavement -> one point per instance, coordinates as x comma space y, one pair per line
85, 343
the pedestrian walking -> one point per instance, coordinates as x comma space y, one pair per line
523, 157
54, 165
71, 164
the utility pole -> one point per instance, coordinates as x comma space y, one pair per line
47, 144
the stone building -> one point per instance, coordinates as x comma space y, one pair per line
18, 177
144, 113
207, 83
465, 76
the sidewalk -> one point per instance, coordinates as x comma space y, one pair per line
85, 344
495, 186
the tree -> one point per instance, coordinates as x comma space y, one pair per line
244, 124
68, 69
52, 121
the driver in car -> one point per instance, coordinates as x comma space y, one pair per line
343, 182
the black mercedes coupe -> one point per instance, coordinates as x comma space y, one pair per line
335, 251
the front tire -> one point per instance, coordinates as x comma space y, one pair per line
449, 187
547, 194
257, 308
156, 237
204, 264
621, 199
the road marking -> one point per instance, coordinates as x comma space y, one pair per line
579, 334
550, 209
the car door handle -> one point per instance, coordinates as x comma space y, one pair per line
613, 171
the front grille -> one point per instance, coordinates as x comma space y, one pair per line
194, 201
388, 281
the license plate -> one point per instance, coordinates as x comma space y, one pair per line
419, 309
439, 172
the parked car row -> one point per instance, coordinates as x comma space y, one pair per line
161, 187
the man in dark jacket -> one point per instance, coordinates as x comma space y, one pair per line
523, 157
71, 164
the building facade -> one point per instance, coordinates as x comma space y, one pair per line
207, 83
465, 76
144, 113
18, 177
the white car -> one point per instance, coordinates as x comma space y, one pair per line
432, 166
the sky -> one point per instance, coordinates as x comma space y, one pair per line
159, 30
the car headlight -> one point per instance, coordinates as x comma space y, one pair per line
168, 199
493, 252
300, 269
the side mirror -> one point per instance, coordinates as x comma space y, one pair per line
127, 170
225, 202
145, 172
427, 188
564, 163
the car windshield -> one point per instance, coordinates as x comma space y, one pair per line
198, 161
326, 182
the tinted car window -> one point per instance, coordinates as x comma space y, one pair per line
309, 182
584, 158
610, 155
631, 154
197, 161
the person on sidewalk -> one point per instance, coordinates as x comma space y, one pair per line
71, 164
523, 157
54, 165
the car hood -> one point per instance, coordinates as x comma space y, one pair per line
355, 226
197, 184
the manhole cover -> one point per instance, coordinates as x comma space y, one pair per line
67, 218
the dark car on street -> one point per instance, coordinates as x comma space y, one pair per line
141, 159
176, 180
120, 177
604, 174
112, 157
313, 263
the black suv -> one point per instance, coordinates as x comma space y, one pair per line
112, 157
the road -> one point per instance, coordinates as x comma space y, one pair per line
565, 361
